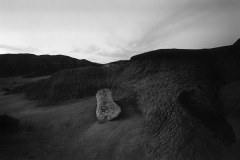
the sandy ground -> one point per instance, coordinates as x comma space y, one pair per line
70, 132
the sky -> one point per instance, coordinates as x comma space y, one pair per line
109, 30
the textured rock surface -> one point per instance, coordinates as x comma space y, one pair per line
230, 98
107, 109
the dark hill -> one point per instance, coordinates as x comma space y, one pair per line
237, 43
224, 60
32, 65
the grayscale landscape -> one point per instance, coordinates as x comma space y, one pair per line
119, 80
173, 107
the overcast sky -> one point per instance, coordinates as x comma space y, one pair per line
109, 30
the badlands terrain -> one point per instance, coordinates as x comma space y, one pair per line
176, 104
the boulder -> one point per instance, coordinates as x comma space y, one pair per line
107, 109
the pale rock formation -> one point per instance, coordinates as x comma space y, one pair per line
107, 109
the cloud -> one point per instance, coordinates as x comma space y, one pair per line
119, 54
105, 54
9, 48
55, 52
186, 18
172, 24
86, 49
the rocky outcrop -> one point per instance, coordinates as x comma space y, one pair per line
107, 109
